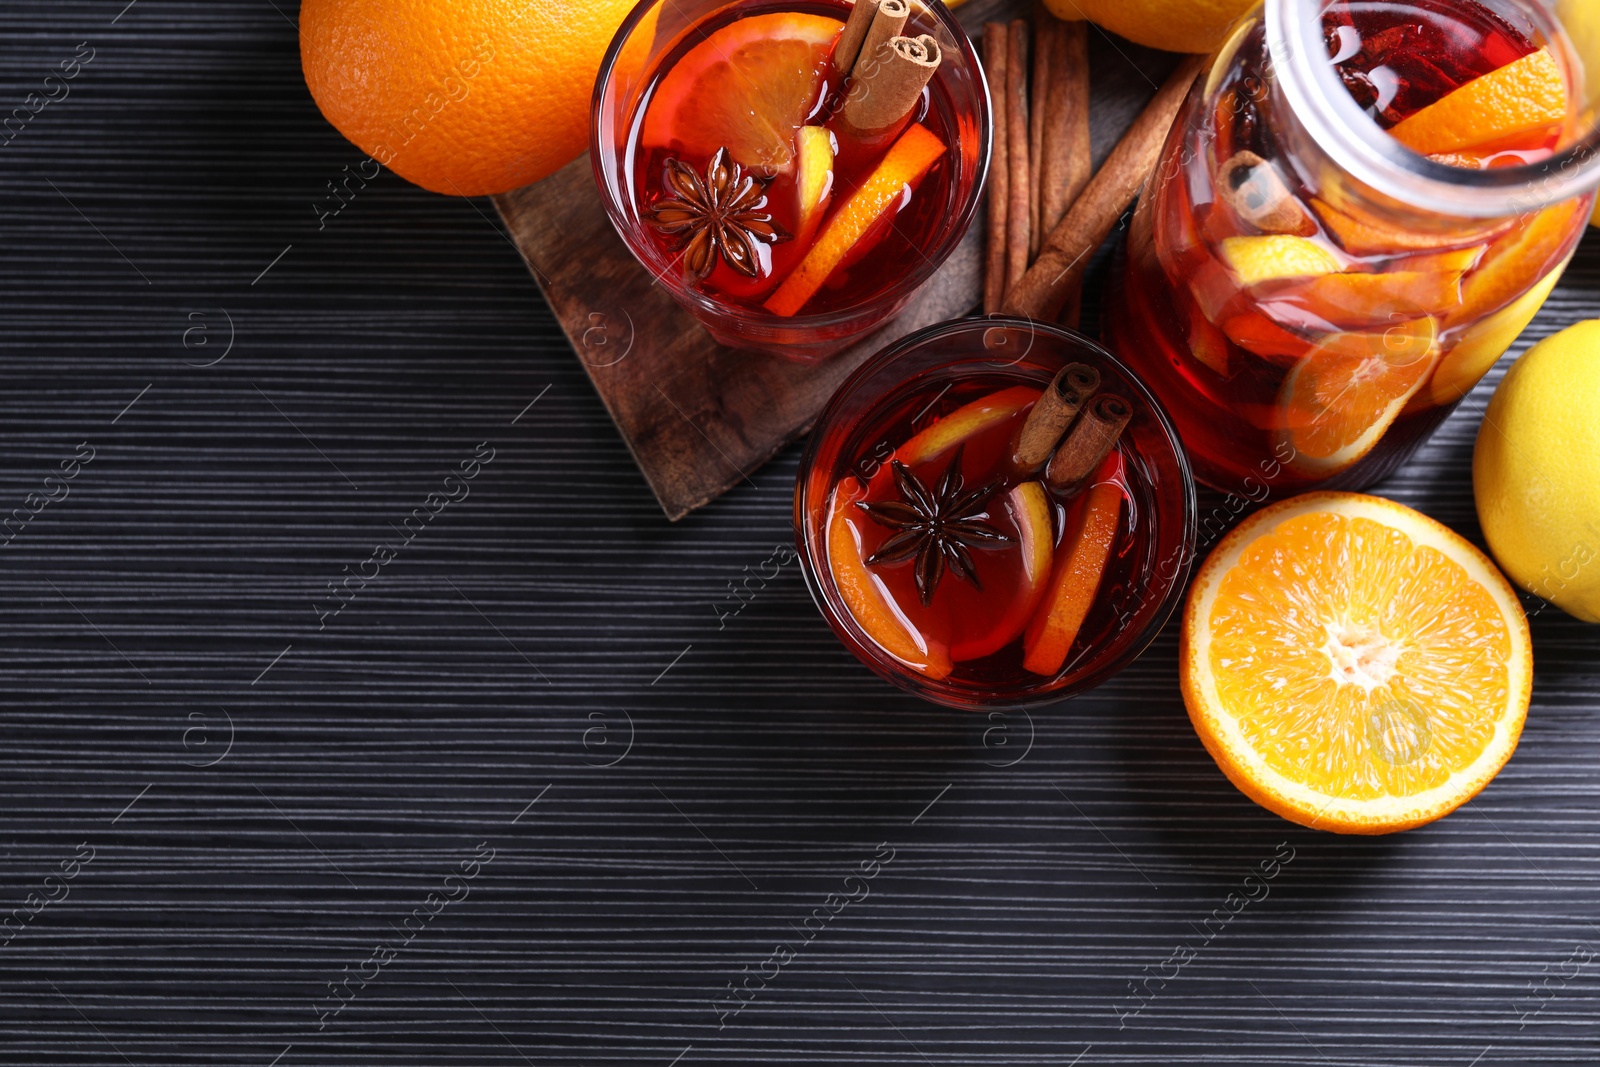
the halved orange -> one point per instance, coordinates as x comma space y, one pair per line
1353, 665
1340, 399
748, 87
1522, 99
868, 605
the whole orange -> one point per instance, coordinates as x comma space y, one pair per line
463, 97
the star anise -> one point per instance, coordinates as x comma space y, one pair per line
939, 527
719, 213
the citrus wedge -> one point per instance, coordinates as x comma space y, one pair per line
1207, 344
884, 190
1514, 263
964, 422
814, 182
1076, 578
1030, 510
1263, 259
1338, 401
1523, 98
1363, 234
1353, 665
1481, 347
1358, 301
867, 604
748, 87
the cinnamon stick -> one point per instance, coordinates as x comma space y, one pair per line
1092, 438
887, 23
1045, 289
885, 88
1017, 212
1045, 34
996, 46
855, 29
1050, 418
1259, 195
1065, 163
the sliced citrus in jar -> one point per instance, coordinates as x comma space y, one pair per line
1353, 665
1358, 301
862, 594
1340, 399
749, 87
1362, 233
1526, 98
1030, 510
1481, 347
1518, 260
1264, 259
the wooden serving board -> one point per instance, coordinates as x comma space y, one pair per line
699, 417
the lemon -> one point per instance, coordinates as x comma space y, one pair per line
1171, 25
1534, 471
1265, 259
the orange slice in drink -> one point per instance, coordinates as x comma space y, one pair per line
1265, 259
1522, 99
814, 181
868, 605
884, 190
1207, 344
1353, 665
1481, 347
1092, 530
965, 422
1337, 402
748, 87
1358, 301
1516, 262
1362, 234
1031, 512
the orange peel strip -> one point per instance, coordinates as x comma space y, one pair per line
866, 604
1077, 576
1524, 97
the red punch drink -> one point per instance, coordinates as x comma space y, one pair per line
1339, 246
987, 529
793, 171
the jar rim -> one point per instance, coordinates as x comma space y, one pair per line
1365, 151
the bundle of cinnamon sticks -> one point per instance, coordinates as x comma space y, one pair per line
1047, 212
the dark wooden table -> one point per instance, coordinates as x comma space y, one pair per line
546, 784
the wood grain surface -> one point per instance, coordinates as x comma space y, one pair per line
673, 761
698, 417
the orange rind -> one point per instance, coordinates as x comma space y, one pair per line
1521, 100
863, 596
